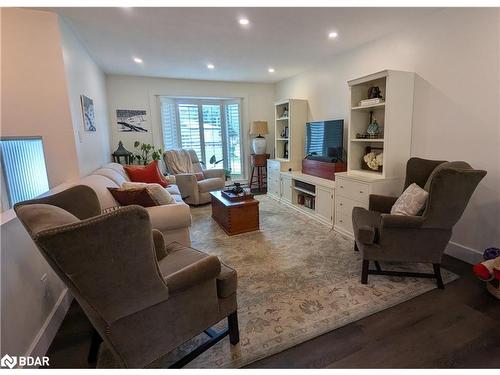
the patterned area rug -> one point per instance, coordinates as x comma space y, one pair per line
297, 279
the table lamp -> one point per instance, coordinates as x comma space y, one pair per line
259, 143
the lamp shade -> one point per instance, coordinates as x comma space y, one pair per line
258, 127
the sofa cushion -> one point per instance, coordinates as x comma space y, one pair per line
180, 256
117, 168
138, 196
40, 217
112, 174
173, 190
149, 173
210, 184
100, 185
159, 194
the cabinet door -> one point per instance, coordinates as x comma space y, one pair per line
324, 203
273, 183
286, 188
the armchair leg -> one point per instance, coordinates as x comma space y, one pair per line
355, 246
95, 343
437, 273
364, 271
234, 331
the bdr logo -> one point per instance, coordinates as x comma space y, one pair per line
13, 361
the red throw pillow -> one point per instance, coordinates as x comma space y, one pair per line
149, 174
199, 176
141, 197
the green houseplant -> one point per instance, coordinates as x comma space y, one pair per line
145, 153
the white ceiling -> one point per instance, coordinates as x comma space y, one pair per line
179, 42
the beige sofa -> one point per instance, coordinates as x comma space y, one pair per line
172, 220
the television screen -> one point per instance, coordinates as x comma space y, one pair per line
324, 140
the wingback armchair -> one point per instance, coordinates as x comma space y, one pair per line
144, 297
380, 236
196, 191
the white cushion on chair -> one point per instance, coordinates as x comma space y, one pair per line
411, 202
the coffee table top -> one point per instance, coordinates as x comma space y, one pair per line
226, 202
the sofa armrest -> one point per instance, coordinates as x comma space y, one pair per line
170, 216
381, 203
214, 173
204, 269
400, 221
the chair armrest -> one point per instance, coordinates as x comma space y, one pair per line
214, 173
170, 216
400, 221
196, 273
187, 183
381, 203
366, 235
159, 242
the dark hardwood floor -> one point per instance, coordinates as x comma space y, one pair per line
458, 327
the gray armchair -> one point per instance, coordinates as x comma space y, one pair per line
198, 192
143, 297
380, 236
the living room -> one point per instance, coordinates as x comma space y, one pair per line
253, 247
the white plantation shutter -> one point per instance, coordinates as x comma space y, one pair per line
233, 137
189, 126
211, 127
168, 119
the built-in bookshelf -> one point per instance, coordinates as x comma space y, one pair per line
393, 113
289, 127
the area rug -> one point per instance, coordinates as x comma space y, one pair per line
297, 279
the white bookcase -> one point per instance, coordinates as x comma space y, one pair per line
394, 116
292, 115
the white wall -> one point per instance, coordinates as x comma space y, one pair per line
127, 92
83, 76
454, 53
34, 94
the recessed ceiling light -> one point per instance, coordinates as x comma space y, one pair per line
210, 66
138, 60
243, 21
270, 70
333, 35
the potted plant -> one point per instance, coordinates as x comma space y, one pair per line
145, 153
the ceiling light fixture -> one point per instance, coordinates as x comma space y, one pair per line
243, 21
333, 35
210, 66
270, 70
138, 60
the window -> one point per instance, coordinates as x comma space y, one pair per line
210, 127
24, 174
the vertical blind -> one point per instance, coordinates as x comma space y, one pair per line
23, 168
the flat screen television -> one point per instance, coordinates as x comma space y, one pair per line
325, 140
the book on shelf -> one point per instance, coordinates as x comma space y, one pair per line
367, 102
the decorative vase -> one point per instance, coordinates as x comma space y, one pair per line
259, 145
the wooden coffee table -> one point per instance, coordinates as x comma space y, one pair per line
235, 217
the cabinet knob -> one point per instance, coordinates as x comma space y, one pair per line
341, 204
341, 221
361, 192
341, 186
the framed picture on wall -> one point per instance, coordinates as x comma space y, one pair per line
88, 113
131, 120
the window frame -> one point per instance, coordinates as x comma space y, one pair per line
221, 103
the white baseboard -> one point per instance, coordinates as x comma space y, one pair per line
464, 253
43, 339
